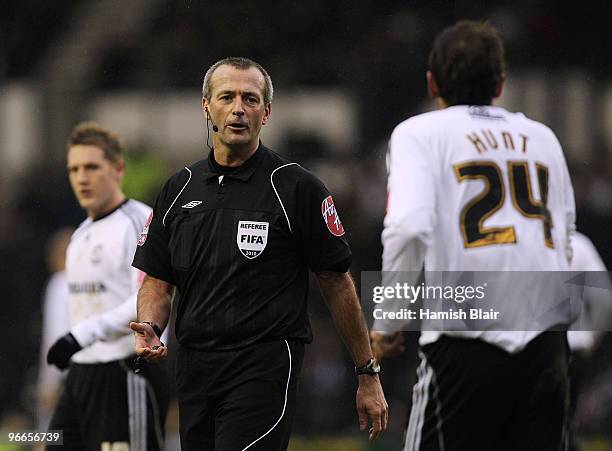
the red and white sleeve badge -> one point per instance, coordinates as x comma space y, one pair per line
331, 218
145, 231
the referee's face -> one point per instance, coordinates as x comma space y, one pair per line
237, 107
95, 180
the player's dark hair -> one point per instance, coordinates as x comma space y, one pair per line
242, 64
93, 134
468, 63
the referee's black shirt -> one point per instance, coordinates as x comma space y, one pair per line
238, 243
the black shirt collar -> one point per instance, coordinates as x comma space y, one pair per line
97, 218
243, 172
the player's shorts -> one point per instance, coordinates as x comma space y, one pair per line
239, 399
108, 406
471, 395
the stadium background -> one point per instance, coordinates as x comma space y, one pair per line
345, 73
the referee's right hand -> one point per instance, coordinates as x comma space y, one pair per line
148, 345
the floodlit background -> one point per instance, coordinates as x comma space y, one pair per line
345, 73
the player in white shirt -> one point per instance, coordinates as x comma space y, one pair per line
55, 324
585, 334
474, 187
597, 309
105, 405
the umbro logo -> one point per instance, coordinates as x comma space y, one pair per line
193, 203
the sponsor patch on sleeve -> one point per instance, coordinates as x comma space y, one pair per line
145, 231
331, 218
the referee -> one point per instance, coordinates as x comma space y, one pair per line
236, 233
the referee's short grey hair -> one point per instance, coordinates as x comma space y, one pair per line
242, 64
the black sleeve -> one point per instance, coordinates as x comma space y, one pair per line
152, 253
322, 240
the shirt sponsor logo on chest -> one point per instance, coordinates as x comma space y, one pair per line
252, 237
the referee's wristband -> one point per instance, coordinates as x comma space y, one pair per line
155, 328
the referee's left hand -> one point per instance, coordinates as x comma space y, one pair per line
148, 345
371, 403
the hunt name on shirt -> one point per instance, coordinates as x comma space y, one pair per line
485, 140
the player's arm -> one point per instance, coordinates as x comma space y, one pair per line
154, 303
570, 211
408, 227
106, 326
103, 327
568, 203
340, 296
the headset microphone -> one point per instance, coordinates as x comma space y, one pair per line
214, 127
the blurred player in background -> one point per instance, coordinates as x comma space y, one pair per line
596, 315
104, 404
596, 318
474, 187
55, 324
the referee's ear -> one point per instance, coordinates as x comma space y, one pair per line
267, 114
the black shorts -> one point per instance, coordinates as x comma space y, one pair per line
471, 395
239, 399
107, 406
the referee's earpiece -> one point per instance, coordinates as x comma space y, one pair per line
214, 127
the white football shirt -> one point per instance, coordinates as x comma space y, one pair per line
103, 284
477, 189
